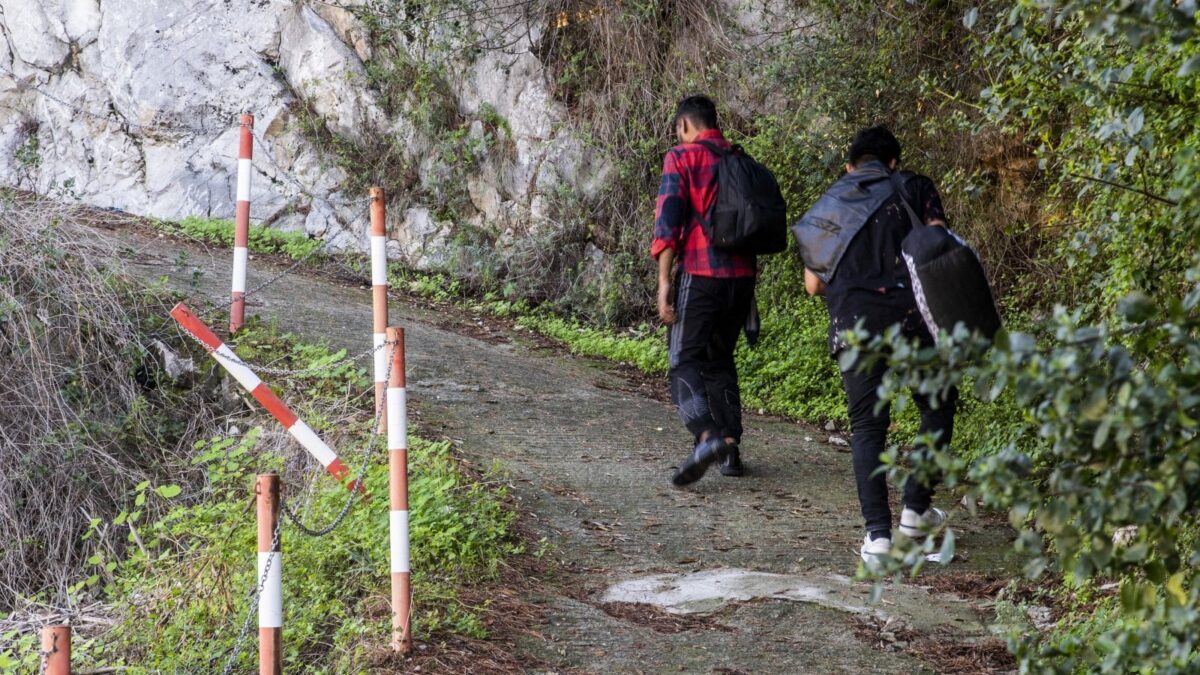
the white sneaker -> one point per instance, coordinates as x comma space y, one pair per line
916, 525
872, 549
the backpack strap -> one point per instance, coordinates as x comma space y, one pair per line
706, 218
714, 148
899, 183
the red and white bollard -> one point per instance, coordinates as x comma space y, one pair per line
397, 434
379, 291
241, 225
270, 574
295, 426
56, 650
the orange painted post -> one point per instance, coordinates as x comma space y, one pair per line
379, 291
397, 412
270, 563
304, 434
56, 650
241, 225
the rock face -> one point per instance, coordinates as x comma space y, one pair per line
134, 105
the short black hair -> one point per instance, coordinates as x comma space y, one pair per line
874, 143
699, 109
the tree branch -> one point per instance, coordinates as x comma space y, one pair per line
1144, 193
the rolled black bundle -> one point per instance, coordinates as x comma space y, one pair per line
949, 282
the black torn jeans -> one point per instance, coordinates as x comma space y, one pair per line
710, 314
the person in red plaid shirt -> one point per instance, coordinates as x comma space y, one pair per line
704, 295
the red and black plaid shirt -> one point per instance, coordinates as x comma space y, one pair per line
687, 191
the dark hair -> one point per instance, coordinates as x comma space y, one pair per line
699, 109
874, 143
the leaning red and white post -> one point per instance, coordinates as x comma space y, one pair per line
270, 564
241, 225
304, 434
379, 291
56, 650
397, 434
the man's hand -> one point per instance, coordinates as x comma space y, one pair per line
665, 311
666, 270
813, 283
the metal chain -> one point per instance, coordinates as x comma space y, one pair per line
223, 303
44, 661
362, 471
284, 372
312, 532
241, 640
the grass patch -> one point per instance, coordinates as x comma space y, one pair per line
643, 347
219, 232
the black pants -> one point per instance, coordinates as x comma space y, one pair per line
710, 313
869, 429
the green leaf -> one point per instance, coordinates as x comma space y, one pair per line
1189, 67
1135, 122
970, 18
947, 551
1175, 590
168, 491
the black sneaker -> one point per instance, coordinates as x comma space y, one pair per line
732, 464
693, 467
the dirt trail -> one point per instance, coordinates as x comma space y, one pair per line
590, 461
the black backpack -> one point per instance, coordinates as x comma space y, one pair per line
750, 215
948, 279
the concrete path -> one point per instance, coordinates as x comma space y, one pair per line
759, 565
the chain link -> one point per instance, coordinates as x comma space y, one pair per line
44, 657
362, 471
284, 372
312, 532
241, 640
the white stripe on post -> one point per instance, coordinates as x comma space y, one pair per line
397, 412
398, 529
245, 168
233, 364
270, 604
241, 258
381, 356
378, 261
312, 442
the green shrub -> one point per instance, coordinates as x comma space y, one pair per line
219, 232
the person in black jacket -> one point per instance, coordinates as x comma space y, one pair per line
850, 242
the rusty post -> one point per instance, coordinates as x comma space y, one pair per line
241, 224
270, 601
397, 412
379, 291
56, 650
